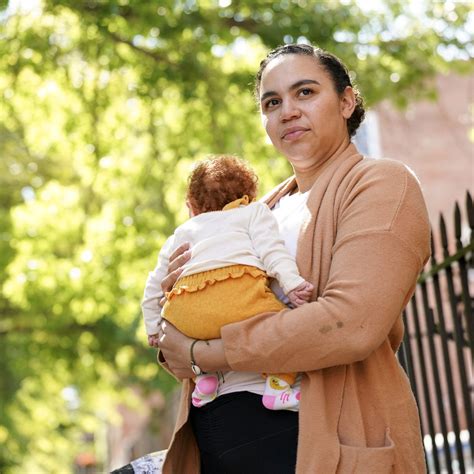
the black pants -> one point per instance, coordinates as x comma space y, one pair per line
236, 434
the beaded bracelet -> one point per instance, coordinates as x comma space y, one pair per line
194, 367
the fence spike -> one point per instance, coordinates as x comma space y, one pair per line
457, 221
470, 210
444, 234
433, 250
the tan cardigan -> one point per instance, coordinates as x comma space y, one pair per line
363, 248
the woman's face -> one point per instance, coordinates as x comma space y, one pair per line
302, 113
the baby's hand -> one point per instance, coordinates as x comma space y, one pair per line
153, 340
301, 294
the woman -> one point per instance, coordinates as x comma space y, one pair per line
362, 236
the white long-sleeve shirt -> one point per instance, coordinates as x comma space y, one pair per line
247, 235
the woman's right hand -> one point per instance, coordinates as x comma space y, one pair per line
177, 259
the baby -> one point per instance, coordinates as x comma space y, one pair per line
236, 247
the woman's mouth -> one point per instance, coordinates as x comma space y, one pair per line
292, 134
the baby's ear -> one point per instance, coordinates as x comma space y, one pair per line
192, 213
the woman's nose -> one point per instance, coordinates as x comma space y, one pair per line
289, 111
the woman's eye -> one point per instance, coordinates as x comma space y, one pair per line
306, 92
271, 103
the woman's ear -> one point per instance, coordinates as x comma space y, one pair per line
348, 102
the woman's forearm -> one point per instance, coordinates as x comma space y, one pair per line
352, 317
211, 358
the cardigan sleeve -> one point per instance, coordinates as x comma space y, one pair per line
270, 248
381, 245
153, 293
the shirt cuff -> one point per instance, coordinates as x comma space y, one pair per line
152, 320
292, 284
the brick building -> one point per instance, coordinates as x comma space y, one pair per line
432, 138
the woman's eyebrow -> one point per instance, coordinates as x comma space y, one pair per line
302, 83
292, 87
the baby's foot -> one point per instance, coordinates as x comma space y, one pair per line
205, 390
279, 395
206, 385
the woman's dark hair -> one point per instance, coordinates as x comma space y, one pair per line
332, 65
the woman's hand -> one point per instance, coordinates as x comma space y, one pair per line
177, 259
176, 349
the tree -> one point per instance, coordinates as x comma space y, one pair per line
106, 105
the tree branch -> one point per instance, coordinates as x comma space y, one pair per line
151, 54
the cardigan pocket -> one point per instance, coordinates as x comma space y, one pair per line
367, 460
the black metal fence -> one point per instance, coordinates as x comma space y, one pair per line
438, 347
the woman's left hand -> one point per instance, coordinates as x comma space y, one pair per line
176, 350
175, 347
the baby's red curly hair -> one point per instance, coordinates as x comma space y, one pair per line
219, 180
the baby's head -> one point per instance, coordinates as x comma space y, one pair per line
217, 181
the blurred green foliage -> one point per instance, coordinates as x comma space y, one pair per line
105, 105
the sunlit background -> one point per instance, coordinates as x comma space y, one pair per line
104, 107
